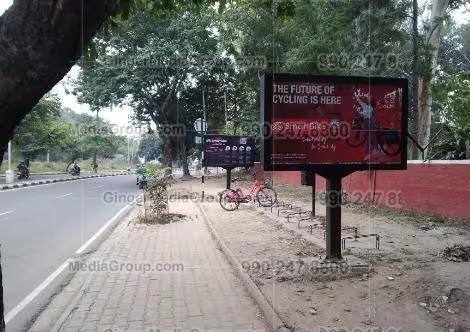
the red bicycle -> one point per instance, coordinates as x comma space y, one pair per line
265, 196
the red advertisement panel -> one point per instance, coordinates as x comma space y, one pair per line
328, 120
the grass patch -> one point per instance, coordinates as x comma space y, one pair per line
42, 166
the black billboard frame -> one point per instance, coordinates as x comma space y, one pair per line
343, 168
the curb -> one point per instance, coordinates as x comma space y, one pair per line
51, 319
42, 182
273, 320
59, 173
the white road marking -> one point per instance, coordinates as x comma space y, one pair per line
31, 296
13, 312
4, 213
64, 195
94, 237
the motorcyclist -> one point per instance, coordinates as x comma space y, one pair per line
75, 169
23, 168
22, 165
140, 171
141, 175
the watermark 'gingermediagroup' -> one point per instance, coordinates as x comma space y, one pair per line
115, 266
155, 62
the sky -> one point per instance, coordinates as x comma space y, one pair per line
120, 115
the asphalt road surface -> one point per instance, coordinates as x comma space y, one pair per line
42, 226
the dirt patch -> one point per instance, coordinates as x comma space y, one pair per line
166, 218
406, 285
457, 253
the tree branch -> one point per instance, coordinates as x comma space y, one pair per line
37, 50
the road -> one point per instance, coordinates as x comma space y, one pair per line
41, 227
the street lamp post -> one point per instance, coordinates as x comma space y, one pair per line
9, 156
9, 175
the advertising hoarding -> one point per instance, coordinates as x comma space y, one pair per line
332, 123
228, 151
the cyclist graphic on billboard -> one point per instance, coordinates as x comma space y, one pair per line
369, 121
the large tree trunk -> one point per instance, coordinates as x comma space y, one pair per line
425, 83
184, 157
467, 149
2, 314
167, 154
415, 78
40, 40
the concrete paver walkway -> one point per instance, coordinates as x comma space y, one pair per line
162, 278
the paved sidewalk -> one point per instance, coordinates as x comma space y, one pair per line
198, 292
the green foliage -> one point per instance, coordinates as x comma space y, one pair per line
150, 147
157, 195
162, 66
154, 171
341, 34
452, 96
452, 105
42, 130
90, 136
454, 51
303, 36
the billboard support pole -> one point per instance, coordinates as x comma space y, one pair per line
229, 177
333, 218
313, 194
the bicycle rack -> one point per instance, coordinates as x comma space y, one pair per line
347, 228
377, 240
299, 213
277, 204
315, 225
309, 218
286, 207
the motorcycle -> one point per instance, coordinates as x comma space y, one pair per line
75, 170
23, 173
141, 181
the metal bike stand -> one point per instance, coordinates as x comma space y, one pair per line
377, 240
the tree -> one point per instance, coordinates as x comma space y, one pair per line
159, 58
42, 130
439, 13
452, 96
40, 40
2, 308
454, 51
91, 138
149, 147
338, 37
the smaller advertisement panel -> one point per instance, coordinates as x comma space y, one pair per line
228, 151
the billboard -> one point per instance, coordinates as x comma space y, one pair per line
228, 151
327, 123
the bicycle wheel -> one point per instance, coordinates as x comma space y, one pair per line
266, 196
390, 142
357, 136
229, 200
